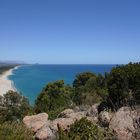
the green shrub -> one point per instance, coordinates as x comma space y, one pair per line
14, 131
86, 130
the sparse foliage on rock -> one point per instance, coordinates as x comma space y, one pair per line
85, 130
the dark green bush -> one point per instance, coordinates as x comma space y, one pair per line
124, 85
82, 78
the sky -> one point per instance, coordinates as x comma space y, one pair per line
70, 31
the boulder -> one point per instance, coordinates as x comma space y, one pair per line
66, 113
83, 108
49, 130
35, 122
64, 123
104, 118
93, 119
78, 115
76, 108
45, 133
69, 113
93, 111
125, 123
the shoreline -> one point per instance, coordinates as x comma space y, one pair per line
5, 83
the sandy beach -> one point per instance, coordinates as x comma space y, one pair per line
5, 83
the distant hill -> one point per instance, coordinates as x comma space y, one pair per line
9, 62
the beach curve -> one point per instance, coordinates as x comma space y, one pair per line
5, 83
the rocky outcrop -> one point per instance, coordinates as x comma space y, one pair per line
64, 123
47, 130
93, 111
66, 113
46, 133
125, 123
104, 118
50, 129
35, 122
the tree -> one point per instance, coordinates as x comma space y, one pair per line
82, 78
12, 98
14, 107
124, 85
54, 97
89, 88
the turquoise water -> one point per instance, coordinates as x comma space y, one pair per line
30, 79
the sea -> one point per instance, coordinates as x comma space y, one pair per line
30, 80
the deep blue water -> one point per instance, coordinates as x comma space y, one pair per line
30, 79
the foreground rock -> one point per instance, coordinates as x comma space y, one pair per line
35, 122
125, 123
45, 129
46, 133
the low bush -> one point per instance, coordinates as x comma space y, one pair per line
86, 130
15, 131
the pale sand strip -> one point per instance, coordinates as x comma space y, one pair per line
5, 83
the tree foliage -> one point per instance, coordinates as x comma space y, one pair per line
124, 85
54, 98
13, 107
88, 88
82, 78
120, 87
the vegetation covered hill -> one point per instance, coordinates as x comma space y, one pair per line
5, 68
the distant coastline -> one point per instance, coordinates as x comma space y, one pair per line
5, 83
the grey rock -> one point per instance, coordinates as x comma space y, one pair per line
104, 118
66, 113
93, 111
45, 133
124, 123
